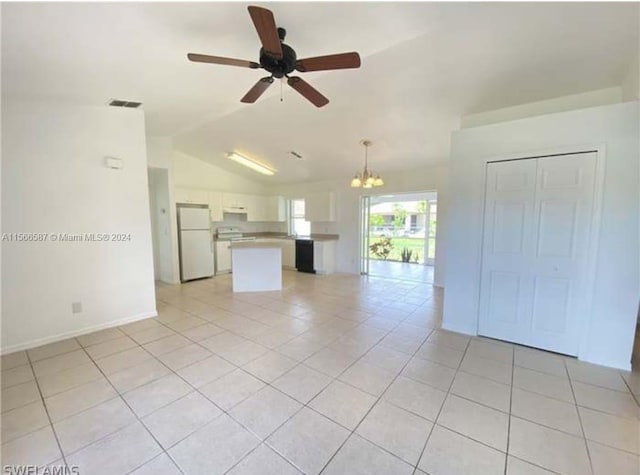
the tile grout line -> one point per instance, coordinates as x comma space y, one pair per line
334, 379
263, 441
358, 323
352, 432
513, 369
435, 422
138, 419
46, 409
575, 400
636, 397
224, 411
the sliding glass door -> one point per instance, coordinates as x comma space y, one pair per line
430, 233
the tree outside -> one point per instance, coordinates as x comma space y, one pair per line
400, 228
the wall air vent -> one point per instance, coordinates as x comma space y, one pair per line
121, 103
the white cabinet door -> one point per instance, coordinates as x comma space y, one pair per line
318, 257
191, 195
320, 207
324, 257
236, 200
228, 200
181, 195
536, 238
289, 253
223, 257
256, 208
215, 205
276, 209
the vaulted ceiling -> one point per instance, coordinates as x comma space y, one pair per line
424, 65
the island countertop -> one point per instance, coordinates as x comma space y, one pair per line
254, 245
286, 237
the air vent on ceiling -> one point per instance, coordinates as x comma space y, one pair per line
121, 103
295, 155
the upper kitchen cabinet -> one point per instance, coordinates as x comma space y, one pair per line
191, 195
235, 200
256, 208
215, 205
276, 208
320, 207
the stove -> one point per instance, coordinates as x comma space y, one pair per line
232, 233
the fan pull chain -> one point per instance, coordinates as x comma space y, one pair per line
281, 81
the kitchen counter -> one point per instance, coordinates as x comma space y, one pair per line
257, 266
313, 237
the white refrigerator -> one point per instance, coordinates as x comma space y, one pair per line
196, 243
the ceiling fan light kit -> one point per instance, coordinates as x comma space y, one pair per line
280, 59
249, 163
366, 179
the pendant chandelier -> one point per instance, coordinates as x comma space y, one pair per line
366, 179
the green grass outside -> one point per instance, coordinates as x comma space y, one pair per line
399, 243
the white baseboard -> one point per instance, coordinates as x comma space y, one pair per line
63, 336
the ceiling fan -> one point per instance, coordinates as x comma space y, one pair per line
280, 60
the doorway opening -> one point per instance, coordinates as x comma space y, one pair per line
399, 235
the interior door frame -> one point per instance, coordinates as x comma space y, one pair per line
600, 150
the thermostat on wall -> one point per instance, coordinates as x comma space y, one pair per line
113, 162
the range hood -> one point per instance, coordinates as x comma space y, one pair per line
235, 210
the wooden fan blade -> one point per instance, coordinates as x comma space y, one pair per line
257, 90
309, 92
267, 32
205, 58
332, 61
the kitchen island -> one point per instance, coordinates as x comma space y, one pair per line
257, 266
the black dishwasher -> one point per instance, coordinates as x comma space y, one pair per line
304, 256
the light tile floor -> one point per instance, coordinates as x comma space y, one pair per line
401, 271
335, 374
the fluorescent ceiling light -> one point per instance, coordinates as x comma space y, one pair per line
247, 162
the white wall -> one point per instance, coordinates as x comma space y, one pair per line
631, 83
600, 97
611, 325
54, 181
347, 224
159, 150
190, 172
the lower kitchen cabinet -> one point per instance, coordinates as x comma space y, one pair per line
324, 257
289, 254
223, 257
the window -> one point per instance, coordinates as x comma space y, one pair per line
297, 224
